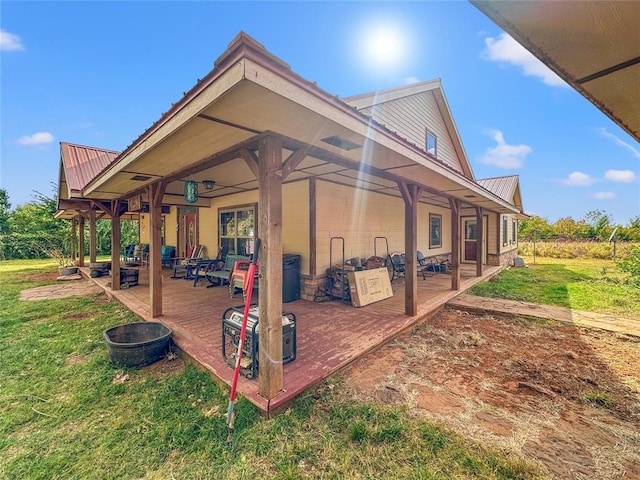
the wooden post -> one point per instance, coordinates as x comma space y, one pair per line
156, 192
92, 235
81, 252
115, 245
312, 227
74, 239
455, 243
479, 241
270, 373
410, 194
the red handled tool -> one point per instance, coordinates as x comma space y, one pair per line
236, 372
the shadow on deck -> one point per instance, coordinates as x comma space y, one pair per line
330, 335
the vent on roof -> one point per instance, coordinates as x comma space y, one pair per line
469, 196
140, 178
340, 142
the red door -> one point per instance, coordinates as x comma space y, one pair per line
188, 236
470, 243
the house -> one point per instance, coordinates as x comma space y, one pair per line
253, 150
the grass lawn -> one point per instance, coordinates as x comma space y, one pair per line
580, 284
67, 413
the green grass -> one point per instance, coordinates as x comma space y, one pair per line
591, 285
62, 415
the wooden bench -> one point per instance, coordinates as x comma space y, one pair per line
218, 277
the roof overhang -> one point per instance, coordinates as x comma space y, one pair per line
592, 45
210, 132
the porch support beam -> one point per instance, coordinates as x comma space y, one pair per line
251, 159
292, 162
410, 194
479, 241
115, 245
156, 192
270, 374
93, 237
74, 239
455, 243
81, 252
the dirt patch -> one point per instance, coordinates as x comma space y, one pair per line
43, 276
564, 396
169, 365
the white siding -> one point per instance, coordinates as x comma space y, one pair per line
359, 216
410, 117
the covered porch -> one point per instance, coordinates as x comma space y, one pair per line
330, 335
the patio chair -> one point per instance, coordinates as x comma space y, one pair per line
127, 253
240, 279
396, 264
204, 267
424, 265
219, 277
167, 255
187, 264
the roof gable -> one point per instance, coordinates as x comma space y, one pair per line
507, 188
79, 165
412, 109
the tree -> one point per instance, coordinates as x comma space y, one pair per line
598, 225
535, 227
566, 227
5, 206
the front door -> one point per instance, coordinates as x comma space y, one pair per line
188, 234
470, 250
470, 241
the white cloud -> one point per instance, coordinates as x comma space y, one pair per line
623, 176
505, 49
410, 80
10, 41
603, 196
578, 179
36, 138
622, 143
504, 155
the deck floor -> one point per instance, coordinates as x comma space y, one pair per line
330, 335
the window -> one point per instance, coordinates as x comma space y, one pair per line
505, 234
514, 230
237, 230
435, 230
432, 143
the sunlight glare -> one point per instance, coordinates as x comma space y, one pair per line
383, 45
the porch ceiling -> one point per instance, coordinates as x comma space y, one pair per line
203, 140
593, 45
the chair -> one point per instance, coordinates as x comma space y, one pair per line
204, 267
167, 254
218, 277
127, 253
187, 264
424, 265
240, 278
396, 264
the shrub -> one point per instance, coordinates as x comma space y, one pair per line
631, 265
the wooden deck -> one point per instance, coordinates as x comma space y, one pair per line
330, 335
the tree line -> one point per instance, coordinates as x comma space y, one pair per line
596, 225
32, 231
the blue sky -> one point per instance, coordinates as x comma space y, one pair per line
100, 73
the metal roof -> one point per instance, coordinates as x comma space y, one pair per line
82, 164
592, 45
507, 188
